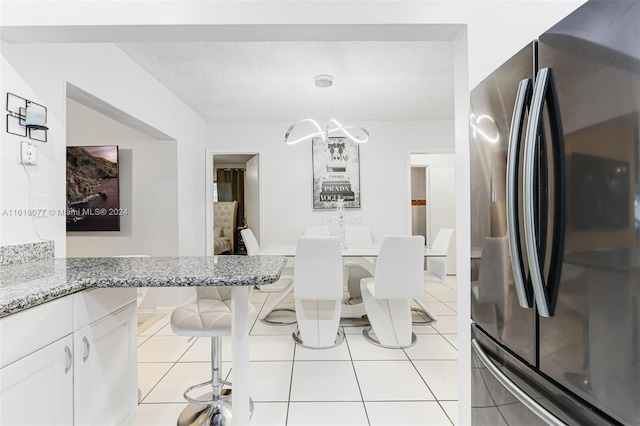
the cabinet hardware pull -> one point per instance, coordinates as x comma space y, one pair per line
69, 360
87, 348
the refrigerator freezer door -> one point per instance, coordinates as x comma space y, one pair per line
591, 345
505, 391
495, 305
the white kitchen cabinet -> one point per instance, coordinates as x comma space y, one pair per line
105, 378
71, 361
38, 388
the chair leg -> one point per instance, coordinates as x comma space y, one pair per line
432, 318
273, 307
390, 320
318, 324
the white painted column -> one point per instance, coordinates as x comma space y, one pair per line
240, 332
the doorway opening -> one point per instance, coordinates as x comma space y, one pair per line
432, 189
232, 177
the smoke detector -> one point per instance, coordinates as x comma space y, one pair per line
324, 80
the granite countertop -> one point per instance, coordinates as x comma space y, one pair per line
30, 284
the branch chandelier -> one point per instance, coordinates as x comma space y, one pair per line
332, 128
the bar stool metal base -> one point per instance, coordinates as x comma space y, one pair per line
366, 333
422, 313
338, 341
267, 321
218, 414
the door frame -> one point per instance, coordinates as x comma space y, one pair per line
421, 151
210, 166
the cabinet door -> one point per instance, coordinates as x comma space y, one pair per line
105, 379
38, 389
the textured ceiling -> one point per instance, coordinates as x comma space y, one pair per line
408, 80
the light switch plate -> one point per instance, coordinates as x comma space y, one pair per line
28, 154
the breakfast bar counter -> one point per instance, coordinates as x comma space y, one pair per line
32, 284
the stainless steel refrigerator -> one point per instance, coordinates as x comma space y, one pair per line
555, 226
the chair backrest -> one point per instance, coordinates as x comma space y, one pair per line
318, 274
399, 269
438, 265
224, 217
317, 231
442, 240
250, 242
357, 236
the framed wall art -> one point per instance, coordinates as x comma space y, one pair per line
93, 190
336, 173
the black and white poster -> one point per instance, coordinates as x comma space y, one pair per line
336, 173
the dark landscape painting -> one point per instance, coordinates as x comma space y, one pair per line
93, 202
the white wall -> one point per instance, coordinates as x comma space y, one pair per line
107, 73
21, 74
148, 188
148, 191
287, 173
463, 240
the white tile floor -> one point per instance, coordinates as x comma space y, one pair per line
354, 384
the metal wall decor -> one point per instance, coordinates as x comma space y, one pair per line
26, 118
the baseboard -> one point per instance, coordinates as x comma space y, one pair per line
145, 315
273, 288
164, 310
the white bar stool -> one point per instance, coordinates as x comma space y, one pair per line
209, 316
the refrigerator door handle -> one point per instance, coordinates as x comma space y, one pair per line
525, 399
544, 90
523, 97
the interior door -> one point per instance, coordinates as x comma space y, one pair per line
252, 196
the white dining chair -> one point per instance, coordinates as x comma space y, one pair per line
250, 242
284, 285
317, 231
253, 249
436, 272
398, 278
318, 282
437, 266
356, 236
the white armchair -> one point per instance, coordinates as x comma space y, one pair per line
398, 278
318, 283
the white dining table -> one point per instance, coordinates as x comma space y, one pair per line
359, 255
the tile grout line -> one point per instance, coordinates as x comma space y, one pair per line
293, 363
355, 373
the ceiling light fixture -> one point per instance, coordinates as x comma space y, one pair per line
332, 128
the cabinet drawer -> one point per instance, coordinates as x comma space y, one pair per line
91, 305
29, 330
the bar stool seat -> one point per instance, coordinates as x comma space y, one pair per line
203, 318
207, 318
